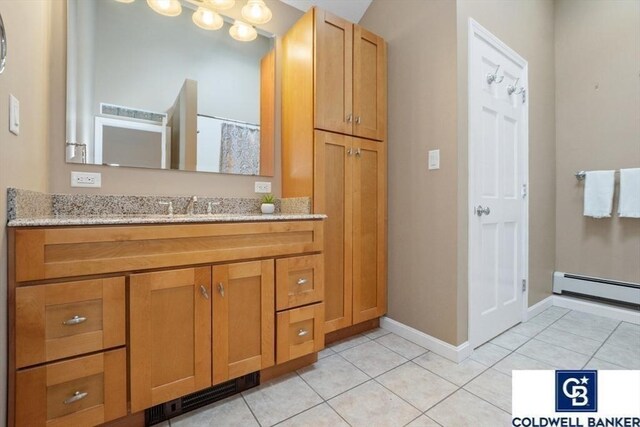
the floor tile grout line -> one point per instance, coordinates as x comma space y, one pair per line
602, 345
485, 400
422, 414
549, 326
396, 394
336, 411
342, 392
397, 352
250, 410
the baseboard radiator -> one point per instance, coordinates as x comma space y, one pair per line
612, 291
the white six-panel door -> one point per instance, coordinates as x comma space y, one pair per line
498, 144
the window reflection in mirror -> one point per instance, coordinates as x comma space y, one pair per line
145, 90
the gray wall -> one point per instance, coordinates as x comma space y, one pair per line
597, 127
24, 159
423, 243
144, 181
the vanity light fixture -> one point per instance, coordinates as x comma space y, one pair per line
221, 4
242, 31
207, 19
166, 7
206, 16
256, 12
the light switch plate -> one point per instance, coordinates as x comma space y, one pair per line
14, 115
86, 179
434, 159
263, 187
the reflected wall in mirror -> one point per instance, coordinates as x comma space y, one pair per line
146, 90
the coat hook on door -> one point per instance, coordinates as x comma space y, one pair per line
493, 77
511, 89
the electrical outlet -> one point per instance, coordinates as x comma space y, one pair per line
86, 179
263, 187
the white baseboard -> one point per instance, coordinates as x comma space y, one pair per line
599, 309
444, 349
538, 308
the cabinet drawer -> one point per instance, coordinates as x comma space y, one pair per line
300, 332
60, 320
299, 281
85, 391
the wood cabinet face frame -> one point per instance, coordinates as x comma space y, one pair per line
153, 289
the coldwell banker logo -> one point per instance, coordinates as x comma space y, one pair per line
589, 398
576, 391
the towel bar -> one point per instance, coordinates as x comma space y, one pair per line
581, 175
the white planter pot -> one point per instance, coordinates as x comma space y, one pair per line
268, 208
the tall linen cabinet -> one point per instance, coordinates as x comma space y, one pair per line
334, 150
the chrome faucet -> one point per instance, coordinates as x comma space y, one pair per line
191, 206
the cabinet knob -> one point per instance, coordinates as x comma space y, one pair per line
349, 118
78, 395
349, 151
303, 332
302, 281
75, 320
358, 120
221, 289
358, 152
204, 292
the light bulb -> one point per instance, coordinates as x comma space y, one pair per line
243, 32
221, 4
166, 7
256, 12
207, 19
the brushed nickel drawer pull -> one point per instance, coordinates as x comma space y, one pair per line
75, 320
302, 281
358, 152
78, 395
204, 292
302, 332
349, 118
358, 120
221, 289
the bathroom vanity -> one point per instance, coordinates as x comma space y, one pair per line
110, 320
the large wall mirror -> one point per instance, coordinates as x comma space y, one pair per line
146, 90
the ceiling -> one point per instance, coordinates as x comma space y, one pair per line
352, 10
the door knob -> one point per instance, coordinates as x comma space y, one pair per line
482, 211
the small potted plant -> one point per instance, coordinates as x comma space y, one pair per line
268, 206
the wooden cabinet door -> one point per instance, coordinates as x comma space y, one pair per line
334, 73
369, 230
243, 319
369, 85
170, 335
333, 196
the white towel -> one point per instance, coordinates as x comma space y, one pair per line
629, 203
598, 193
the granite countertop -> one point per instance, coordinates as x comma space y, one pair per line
33, 209
157, 219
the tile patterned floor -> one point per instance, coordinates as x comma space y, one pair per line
380, 379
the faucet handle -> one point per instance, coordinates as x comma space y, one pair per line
170, 204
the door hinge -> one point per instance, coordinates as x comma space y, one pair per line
524, 191
524, 285
524, 96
